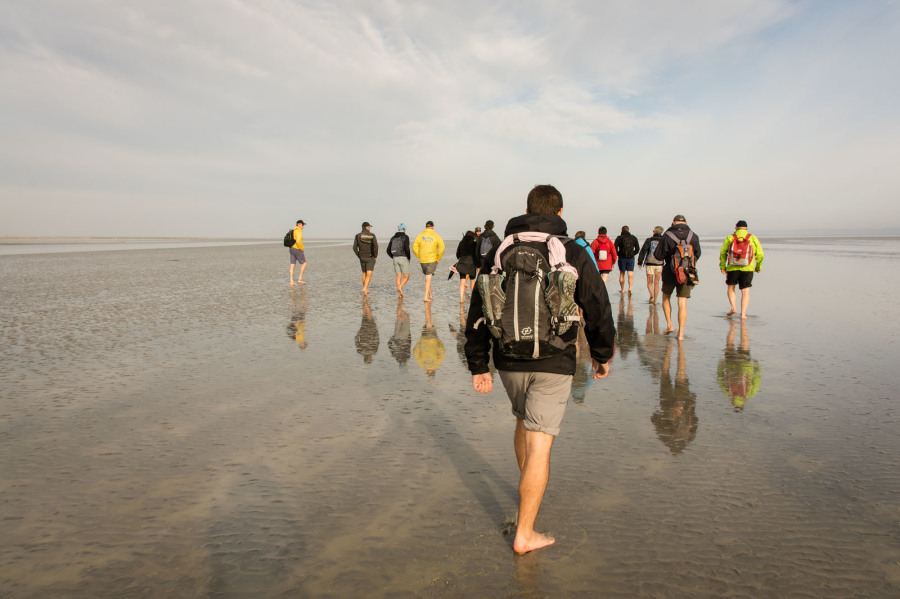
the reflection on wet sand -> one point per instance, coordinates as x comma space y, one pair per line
296, 328
626, 336
584, 369
675, 420
367, 337
458, 332
400, 342
738, 374
429, 350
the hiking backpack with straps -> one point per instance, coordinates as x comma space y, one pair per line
289, 240
397, 246
486, 246
529, 301
741, 252
651, 259
683, 259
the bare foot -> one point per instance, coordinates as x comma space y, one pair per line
292, 283
743, 316
667, 331
399, 293
536, 541
301, 282
732, 312
365, 291
680, 336
427, 300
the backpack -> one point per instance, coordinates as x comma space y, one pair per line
741, 252
683, 260
289, 240
486, 246
651, 260
629, 247
528, 301
397, 246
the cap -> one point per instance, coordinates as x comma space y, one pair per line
679, 218
366, 224
478, 229
488, 223
401, 227
429, 224
300, 222
741, 224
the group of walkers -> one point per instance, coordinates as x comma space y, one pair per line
508, 318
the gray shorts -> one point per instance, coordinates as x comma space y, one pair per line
297, 256
428, 268
538, 398
401, 265
367, 264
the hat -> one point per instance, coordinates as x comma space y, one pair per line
679, 218
401, 227
741, 224
478, 229
300, 222
366, 224
429, 224
489, 224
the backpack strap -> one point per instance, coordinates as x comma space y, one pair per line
555, 247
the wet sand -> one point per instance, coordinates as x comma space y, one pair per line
181, 423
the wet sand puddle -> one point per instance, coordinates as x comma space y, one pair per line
179, 422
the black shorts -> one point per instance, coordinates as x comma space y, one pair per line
741, 278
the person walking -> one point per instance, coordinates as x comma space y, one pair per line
487, 241
604, 253
741, 255
654, 266
539, 389
398, 250
428, 248
365, 246
297, 255
467, 257
627, 246
580, 240
665, 252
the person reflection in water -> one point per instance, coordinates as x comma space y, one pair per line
626, 336
676, 421
367, 337
401, 341
429, 351
738, 374
296, 328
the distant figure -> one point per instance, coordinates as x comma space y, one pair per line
367, 339
627, 248
580, 240
428, 248
400, 342
741, 255
467, 257
738, 374
604, 253
539, 388
297, 255
365, 246
429, 351
487, 241
654, 266
665, 252
398, 250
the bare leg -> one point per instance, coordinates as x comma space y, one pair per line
622, 281
462, 289
682, 316
630, 280
399, 287
428, 294
656, 280
402, 283
731, 299
667, 312
535, 472
650, 288
367, 276
302, 268
745, 301
291, 274
604, 276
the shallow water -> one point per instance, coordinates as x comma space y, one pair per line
181, 423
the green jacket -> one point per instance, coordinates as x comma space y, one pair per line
756, 264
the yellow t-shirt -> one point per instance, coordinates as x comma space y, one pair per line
298, 238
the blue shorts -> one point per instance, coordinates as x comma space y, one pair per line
626, 264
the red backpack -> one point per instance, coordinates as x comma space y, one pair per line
741, 252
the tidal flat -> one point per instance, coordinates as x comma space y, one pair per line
179, 422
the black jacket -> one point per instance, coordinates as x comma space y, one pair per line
590, 294
627, 245
666, 249
405, 251
467, 252
494, 239
365, 245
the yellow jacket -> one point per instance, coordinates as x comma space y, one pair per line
298, 238
428, 246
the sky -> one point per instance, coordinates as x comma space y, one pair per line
232, 118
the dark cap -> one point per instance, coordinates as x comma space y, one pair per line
300, 222
366, 224
478, 229
741, 224
429, 224
679, 218
488, 224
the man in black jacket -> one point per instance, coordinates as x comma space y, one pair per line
664, 252
627, 246
365, 246
487, 241
539, 389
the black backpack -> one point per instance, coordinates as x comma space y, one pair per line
289, 240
